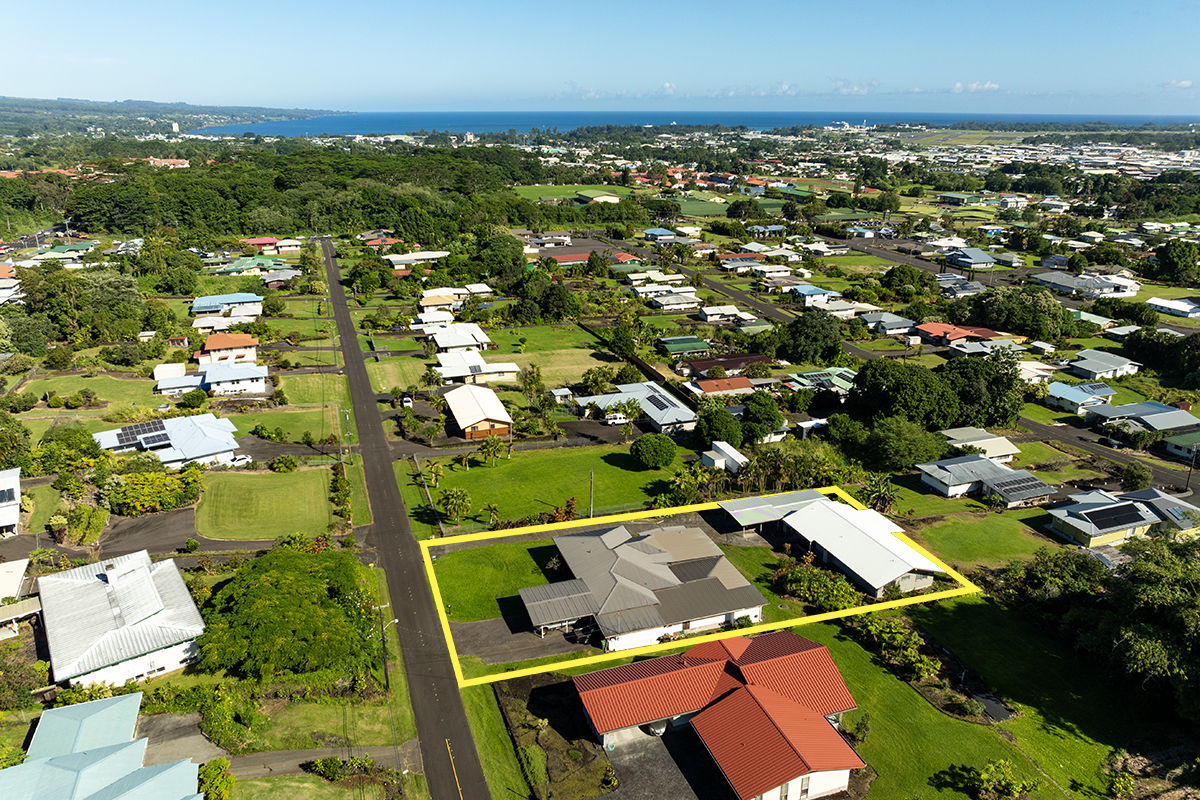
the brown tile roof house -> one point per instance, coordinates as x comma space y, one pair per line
730, 363
761, 706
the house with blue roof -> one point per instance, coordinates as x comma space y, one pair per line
202, 438
658, 234
814, 295
970, 258
1076, 399
238, 304
87, 752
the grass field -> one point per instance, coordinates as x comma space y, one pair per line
44, 421
494, 744
534, 481
46, 500
134, 390
482, 583
912, 494
358, 495
300, 787
1036, 453
1048, 416
534, 192
985, 538
316, 389
913, 746
1072, 716
403, 372
264, 506
564, 367
319, 421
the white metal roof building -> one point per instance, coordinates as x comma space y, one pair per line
862, 543
468, 366
202, 438
120, 619
665, 413
994, 447
477, 411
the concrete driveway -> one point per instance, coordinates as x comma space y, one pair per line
496, 641
675, 765
174, 737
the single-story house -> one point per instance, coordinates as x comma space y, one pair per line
477, 412
280, 278
458, 336
1035, 371
219, 379
845, 309
1098, 364
122, 618
640, 589
720, 386
593, 196
1178, 517
978, 474
1183, 444
399, 261
675, 301
887, 323
970, 258
661, 408
468, 366
963, 289
228, 347
238, 304
10, 503
834, 379
88, 751
719, 314
1009, 260
1148, 416
997, 448
1097, 518
658, 235
1054, 262
778, 691
724, 456
958, 198
732, 363
1076, 399
681, 345
862, 544
970, 349
217, 323
1176, 308
202, 438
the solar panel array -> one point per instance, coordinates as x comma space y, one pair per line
156, 439
1093, 388
131, 433
1120, 516
657, 402
1017, 486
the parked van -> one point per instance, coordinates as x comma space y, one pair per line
616, 418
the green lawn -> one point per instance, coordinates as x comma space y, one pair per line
404, 371
1072, 716
494, 744
757, 564
46, 500
133, 390
912, 745
358, 495
1048, 416
534, 192
319, 421
482, 583
300, 787
923, 501
264, 506
42, 423
534, 481
563, 336
985, 538
316, 389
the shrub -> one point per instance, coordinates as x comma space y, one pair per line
191, 545
55, 401
653, 450
216, 781
193, 399
533, 764
284, 463
85, 523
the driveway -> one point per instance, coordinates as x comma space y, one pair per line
496, 641
158, 533
675, 765
174, 737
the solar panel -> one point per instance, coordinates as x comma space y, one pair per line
1174, 511
156, 439
126, 438
1118, 517
658, 402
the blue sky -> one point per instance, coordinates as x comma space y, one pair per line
1020, 56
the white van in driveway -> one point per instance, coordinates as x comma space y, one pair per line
616, 418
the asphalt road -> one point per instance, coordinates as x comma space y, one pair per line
1168, 480
441, 719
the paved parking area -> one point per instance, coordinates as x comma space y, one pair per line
673, 765
496, 641
174, 737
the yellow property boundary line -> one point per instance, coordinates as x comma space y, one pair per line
965, 587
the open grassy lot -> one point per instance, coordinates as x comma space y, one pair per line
913, 495
1048, 416
1039, 453
264, 505
539, 338
403, 372
494, 744
985, 538
564, 367
319, 421
46, 500
534, 481
913, 746
46, 418
482, 583
316, 389
315, 358
132, 390
1072, 715
300, 787
534, 192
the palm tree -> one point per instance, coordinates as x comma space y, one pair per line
465, 458
878, 492
493, 513
456, 502
436, 471
431, 377
492, 447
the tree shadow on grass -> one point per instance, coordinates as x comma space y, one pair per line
625, 461
956, 778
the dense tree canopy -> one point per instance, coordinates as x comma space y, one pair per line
885, 387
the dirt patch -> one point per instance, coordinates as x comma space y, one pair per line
543, 712
860, 783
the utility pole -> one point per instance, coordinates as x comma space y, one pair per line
1191, 466
592, 495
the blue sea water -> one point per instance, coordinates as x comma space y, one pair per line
524, 121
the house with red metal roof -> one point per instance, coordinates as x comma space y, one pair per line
766, 708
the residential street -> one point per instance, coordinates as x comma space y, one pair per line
441, 719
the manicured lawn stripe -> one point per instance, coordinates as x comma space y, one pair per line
494, 744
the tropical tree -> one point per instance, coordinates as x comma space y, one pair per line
455, 502
491, 448
530, 381
878, 492
465, 460
493, 513
431, 377
436, 472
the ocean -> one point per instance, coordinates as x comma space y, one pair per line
523, 121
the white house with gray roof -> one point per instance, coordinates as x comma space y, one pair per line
120, 619
641, 588
664, 412
978, 474
202, 438
1100, 364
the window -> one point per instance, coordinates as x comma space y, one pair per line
783, 791
804, 787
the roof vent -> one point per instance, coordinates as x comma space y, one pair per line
109, 567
